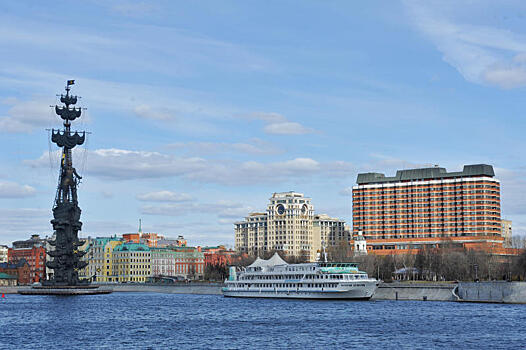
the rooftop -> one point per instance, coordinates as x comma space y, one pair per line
289, 194
5, 276
132, 247
426, 174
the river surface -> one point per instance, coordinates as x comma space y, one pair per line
184, 321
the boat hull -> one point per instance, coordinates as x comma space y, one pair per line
353, 293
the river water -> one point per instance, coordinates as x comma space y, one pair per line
184, 321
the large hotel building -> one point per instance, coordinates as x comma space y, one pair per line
428, 207
289, 225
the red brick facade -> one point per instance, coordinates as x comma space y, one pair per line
21, 270
425, 207
218, 256
35, 257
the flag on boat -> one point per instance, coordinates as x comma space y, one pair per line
71, 82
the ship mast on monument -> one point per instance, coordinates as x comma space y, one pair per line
66, 212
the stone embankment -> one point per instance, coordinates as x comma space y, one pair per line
415, 291
492, 292
9, 290
182, 288
489, 292
179, 288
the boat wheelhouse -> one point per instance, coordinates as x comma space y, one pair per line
274, 278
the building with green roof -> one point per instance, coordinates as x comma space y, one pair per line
7, 280
131, 262
100, 258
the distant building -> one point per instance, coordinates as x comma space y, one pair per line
7, 280
251, 235
218, 255
49, 272
359, 245
181, 241
189, 262
132, 262
100, 258
132, 237
288, 225
428, 207
330, 230
3, 253
150, 239
163, 262
34, 252
21, 270
168, 242
506, 232
181, 262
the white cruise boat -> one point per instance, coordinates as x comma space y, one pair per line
274, 278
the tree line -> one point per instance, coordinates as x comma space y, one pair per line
446, 263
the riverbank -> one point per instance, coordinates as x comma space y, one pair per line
415, 291
178, 288
183, 288
386, 291
485, 292
492, 292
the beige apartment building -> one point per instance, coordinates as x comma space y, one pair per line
289, 225
132, 262
506, 232
99, 255
3, 253
332, 231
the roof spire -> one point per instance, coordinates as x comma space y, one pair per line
140, 226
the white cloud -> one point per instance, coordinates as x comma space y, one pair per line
25, 116
135, 47
287, 128
20, 223
347, 191
146, 111
164, 196
13, 190
126, 164
107, 194
507, 77
223, 209
483, 54
381, 163
267, 117
278, 124
254, 147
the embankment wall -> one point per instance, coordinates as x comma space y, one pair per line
190, 288
493, 292
417, 291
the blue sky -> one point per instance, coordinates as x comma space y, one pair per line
199, 111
